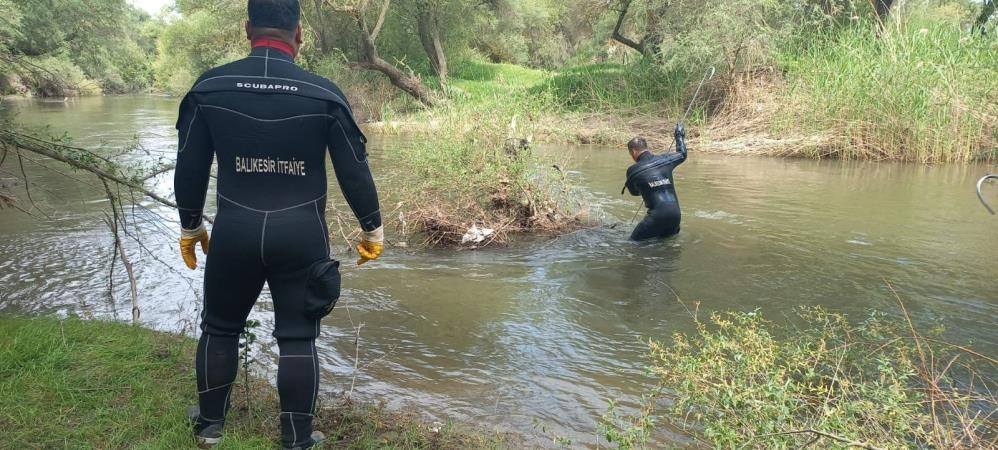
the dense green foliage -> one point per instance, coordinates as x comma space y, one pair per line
742, 381
69, 47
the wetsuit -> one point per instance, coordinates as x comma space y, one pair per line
269, 124
651, 177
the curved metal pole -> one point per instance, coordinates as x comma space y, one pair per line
980, 195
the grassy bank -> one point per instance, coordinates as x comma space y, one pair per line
923, 89
84, 384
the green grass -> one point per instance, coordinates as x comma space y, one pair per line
84, 384
612, 87
926, 91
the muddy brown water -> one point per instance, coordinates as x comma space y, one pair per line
536, 338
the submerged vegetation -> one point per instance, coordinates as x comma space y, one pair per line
92, 384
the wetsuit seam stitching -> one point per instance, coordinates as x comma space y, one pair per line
373, 213
267, 120
274, 59
347, 138
270, 211
187, 139
216, 388
263, 238
315, 385
322, 228
207, 341
338, 96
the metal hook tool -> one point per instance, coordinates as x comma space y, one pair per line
980, 195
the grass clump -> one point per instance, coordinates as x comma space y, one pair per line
85, 384
922, 90
742, 381
468, 163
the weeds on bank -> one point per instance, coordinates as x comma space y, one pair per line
743, 382
922, 90
470, 164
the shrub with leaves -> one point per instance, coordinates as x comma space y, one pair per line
742, 381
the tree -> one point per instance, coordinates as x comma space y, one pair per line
882, 8
358, 11
428, 12
650, 44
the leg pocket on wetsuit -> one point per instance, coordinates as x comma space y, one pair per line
322, 288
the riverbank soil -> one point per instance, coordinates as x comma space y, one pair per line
91, 384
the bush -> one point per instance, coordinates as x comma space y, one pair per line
743, 381
471, 164
53, 76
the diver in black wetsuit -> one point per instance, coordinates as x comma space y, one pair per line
651, 177
270, 125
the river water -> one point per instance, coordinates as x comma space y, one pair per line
535, 339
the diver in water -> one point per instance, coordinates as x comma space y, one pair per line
651, 177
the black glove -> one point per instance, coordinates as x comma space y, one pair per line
680, 138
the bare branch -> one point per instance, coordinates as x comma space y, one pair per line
48, 149
113, 222
27, 188
620, 37
381, 20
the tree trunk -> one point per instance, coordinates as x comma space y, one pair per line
320, 28
987, 10
617, 36
651, 43
429, 35
410, 84
883, 9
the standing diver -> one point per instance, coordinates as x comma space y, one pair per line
651, 177
270, 125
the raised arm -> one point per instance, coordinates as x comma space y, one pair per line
680, 143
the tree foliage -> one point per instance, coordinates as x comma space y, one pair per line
74, 46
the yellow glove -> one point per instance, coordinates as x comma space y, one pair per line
190, 238
371, 247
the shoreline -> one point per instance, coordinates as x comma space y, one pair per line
95, 376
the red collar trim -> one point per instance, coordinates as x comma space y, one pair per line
275, 44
